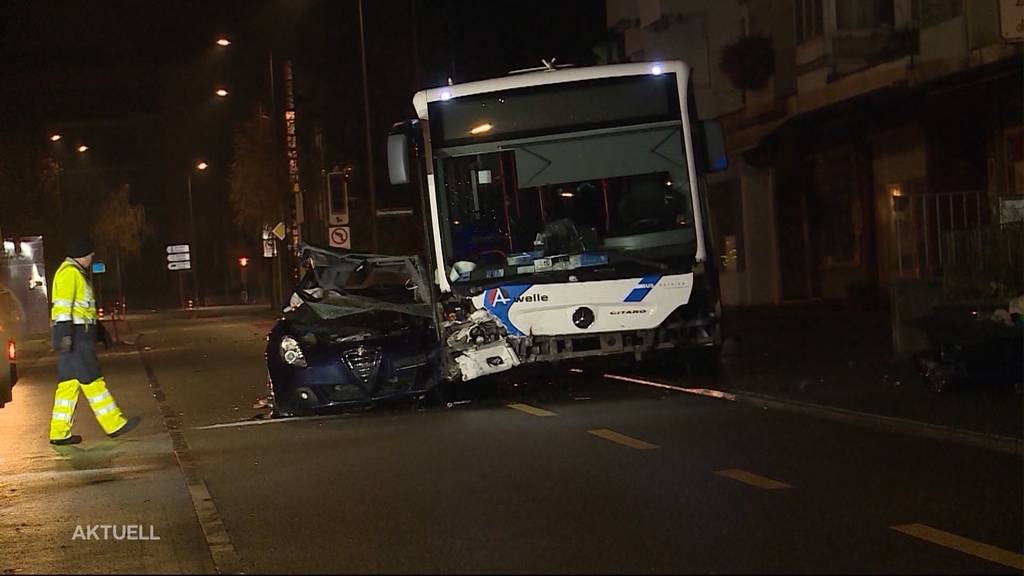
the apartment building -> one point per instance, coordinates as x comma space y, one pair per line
865, 132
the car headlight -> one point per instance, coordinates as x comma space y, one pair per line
291, 352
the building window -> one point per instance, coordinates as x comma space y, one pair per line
725, 207
810, 20
864, 14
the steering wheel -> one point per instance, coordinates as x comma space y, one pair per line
643, 224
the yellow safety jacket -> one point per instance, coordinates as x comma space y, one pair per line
72, 295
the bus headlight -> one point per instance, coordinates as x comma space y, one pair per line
291, 353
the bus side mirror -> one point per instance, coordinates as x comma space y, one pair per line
398, 159
714, 146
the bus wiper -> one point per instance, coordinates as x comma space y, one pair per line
623, 256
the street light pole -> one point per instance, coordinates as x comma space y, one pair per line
369, 138
192, 249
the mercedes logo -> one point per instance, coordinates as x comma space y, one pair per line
583, 317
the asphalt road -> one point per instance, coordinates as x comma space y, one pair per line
573, 473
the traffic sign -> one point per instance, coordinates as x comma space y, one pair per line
184, 257
341, 237
279, 230
179, 265
99, 267
177, 249
269, 248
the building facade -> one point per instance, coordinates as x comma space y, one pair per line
883, 126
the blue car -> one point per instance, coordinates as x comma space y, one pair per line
358, 328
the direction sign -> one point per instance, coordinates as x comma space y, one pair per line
177, 249
184, 257
179, 265
341, 237
279, 230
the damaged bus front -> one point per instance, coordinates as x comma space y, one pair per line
566, 215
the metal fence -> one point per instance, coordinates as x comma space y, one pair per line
923, 224
983, 263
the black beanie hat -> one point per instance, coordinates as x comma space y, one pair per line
80, 247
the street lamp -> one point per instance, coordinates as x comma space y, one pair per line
55, 137
83, 148
221, 92
202, 167
223, 41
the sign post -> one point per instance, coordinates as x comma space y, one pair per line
179, 259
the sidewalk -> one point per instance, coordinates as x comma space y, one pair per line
831, 355
52, 495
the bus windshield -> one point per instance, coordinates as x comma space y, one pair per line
561, 181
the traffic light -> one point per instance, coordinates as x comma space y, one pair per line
243, 261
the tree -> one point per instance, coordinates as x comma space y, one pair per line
749, 62
119, 229
259, 180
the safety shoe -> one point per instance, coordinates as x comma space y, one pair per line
73, 439
128, 427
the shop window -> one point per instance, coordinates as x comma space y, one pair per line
835, 209
725, 205
810, 19
864, 14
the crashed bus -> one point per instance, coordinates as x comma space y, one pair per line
566, 215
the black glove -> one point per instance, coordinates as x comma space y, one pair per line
62, 336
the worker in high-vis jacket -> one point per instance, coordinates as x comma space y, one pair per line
74, 338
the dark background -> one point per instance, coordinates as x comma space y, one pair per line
134, 80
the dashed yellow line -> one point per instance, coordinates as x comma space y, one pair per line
753, 479
965, 545
530, 409
613, 436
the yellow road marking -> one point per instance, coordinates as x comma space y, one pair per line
753, 479
965, 545
530, 409
623, 439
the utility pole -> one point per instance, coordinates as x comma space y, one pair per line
370, 172
193, 249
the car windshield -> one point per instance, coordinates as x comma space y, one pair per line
338, 284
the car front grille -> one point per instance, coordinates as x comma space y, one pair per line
363, 362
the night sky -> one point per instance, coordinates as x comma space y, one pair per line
135, 79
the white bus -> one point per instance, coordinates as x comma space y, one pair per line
566, 215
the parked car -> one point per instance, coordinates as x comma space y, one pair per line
358, 328
11, 330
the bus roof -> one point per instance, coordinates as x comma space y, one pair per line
555, 76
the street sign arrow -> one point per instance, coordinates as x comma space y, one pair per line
177, 249
183, 257
179, 266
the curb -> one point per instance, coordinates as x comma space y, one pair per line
993, 442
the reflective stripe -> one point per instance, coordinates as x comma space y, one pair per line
65, 303
83, 321
63, 404
84, 303
62, 318
105, 409
101, 397
62, 416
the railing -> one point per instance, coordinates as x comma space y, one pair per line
984, 263
923, 223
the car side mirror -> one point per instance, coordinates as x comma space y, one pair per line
398, 159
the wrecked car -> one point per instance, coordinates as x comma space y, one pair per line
358, 328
